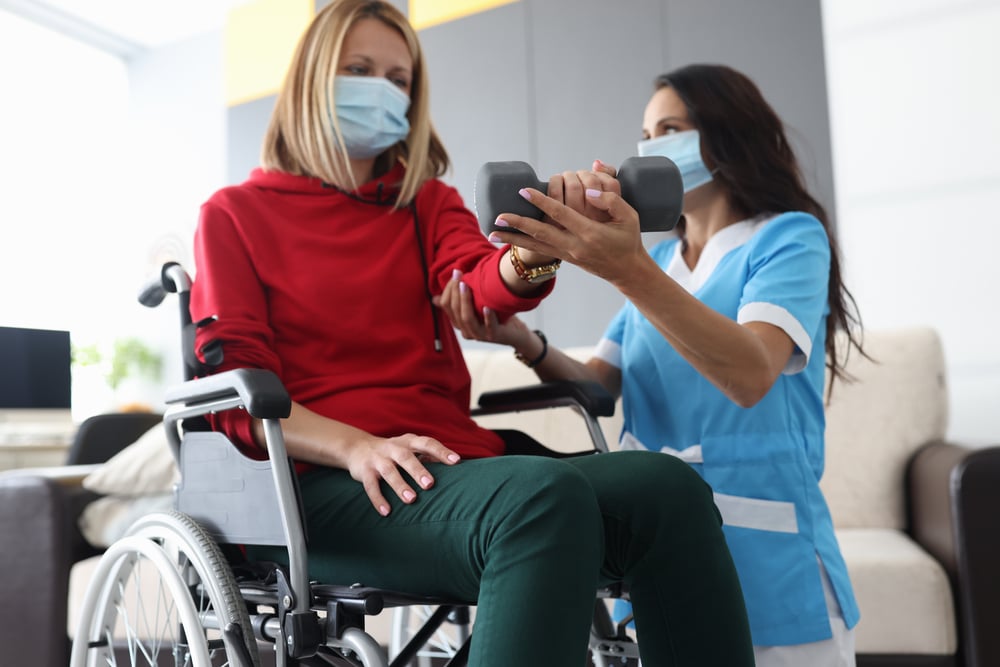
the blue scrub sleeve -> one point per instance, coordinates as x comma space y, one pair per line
788, 277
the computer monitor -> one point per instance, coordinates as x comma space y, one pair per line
35, 376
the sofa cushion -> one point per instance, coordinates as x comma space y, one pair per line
903, 594
897, 403
145, 467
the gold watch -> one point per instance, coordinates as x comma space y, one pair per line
534, 274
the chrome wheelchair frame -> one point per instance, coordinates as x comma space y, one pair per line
166, 593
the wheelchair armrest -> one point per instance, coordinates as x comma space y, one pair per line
590, 396
260, 391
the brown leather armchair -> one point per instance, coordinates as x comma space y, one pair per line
953, 497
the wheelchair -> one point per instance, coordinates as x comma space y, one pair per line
176, 589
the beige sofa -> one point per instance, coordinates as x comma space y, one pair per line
913, 514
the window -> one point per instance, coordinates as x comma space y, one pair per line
61, 173
65, 227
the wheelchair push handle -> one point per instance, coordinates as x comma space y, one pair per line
174, 279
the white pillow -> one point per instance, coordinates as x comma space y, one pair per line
145, 467
106, 519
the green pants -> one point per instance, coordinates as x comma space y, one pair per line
529, 540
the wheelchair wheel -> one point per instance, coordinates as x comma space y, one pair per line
441, 646
164, 594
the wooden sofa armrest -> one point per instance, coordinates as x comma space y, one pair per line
953, 495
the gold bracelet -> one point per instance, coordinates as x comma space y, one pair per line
536, 274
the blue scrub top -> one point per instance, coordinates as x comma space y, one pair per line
765, 462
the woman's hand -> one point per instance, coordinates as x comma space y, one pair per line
313, 438
456, 301
385, 459
570, 188
607, 244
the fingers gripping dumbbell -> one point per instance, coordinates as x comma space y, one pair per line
650, 184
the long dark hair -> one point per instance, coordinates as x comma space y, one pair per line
744, 139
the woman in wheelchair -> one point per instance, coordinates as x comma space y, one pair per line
321, 267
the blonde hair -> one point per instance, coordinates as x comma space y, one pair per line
299, 138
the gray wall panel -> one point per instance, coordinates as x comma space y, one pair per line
480, 101
593, 61
779, 44
245, 127
592, 79
481, 95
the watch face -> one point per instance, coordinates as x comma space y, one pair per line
540, 276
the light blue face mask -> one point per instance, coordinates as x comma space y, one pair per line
684, 149
371, 112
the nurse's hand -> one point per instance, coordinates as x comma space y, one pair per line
456, 301
570, 187
607, 245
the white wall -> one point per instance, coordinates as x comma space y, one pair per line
177, 137
60, 153
913, 89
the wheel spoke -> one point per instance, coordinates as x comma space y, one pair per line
164, 589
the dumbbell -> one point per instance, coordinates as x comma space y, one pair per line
650, 184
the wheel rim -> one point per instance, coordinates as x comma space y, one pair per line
145, 614
159, 597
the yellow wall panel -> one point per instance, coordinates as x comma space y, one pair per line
260, 39
426, 13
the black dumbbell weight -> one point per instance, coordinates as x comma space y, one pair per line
650, 184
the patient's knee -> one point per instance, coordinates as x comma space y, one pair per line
650, 488
552, 501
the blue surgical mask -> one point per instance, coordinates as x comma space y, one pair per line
371, 112
684, 149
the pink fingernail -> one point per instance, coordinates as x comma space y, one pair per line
425, 481
500, 222
494, 237
409, 495
593, 193
455, 274
524, 193
453, 458
463, 288
383, 510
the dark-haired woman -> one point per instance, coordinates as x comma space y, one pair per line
720, 350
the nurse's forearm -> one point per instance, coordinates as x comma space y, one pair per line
741, 361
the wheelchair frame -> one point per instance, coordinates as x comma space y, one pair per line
214, 619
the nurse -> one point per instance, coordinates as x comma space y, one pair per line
720, 349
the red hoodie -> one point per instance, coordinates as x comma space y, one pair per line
328, 290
